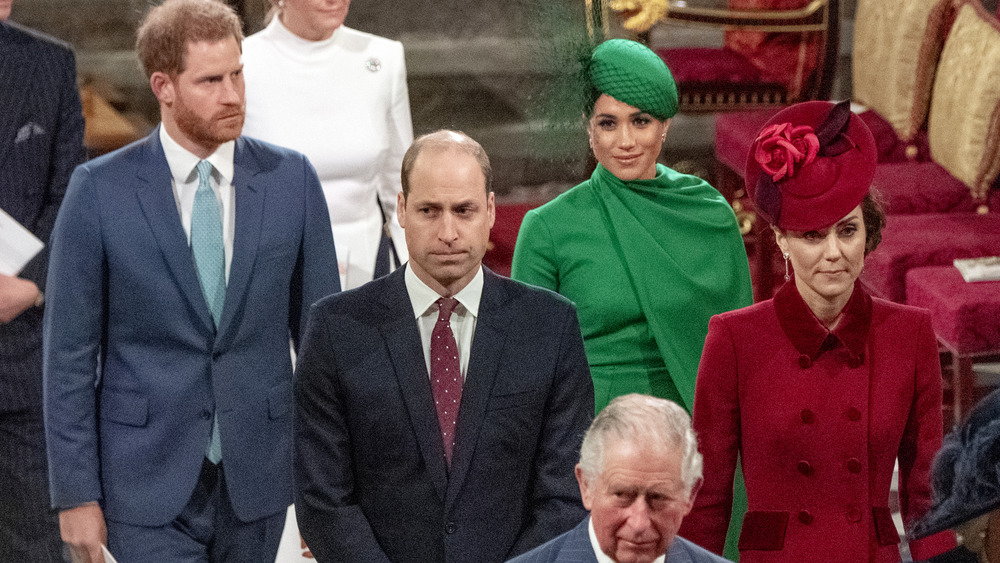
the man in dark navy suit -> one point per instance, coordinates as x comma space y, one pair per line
439, 407
180, 266
41, 141
639, 472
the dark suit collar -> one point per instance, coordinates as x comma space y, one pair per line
402, 337
16, 69
488, 344
406, 351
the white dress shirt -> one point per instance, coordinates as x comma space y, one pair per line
183, 165
603, 557
463, 319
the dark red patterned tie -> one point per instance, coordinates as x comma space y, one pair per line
446, 374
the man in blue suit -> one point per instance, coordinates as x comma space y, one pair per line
438, 408
41, 141
179, 267
639, 472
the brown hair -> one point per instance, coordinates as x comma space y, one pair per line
442, 140
162, 38
873, 215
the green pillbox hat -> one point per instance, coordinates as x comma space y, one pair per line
631, 73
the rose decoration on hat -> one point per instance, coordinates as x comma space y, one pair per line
783, 149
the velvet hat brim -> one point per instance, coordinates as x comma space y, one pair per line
966, 473
820, 193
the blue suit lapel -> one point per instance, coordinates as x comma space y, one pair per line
156, 198
487, 345
249, 214
577, 548
406, 353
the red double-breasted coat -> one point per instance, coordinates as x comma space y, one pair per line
818, 418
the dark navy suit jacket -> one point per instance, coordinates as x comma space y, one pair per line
134, 367
371, 479
41, 141
574, 547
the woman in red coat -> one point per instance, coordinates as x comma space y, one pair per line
819, 390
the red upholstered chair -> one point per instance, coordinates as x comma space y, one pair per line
965, 318
897, 44
954, 197
775, 52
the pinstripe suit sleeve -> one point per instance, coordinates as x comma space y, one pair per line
67, 152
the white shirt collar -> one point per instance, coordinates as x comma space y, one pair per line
182, 162
603, 557
422, 297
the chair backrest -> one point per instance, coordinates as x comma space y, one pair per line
804, 62
963, 127
896, 48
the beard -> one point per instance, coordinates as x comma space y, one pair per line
222, 127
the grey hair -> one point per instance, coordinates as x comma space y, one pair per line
645, 420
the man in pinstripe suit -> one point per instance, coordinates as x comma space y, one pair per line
639, 472
41, 141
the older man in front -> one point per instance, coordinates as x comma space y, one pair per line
639, 472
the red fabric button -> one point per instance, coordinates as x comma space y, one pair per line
853, 515
807, 416
853, 414
853, 465
805, 468
804, 361
805, 517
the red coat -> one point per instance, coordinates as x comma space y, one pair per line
819, 418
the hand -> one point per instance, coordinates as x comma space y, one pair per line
16, 296
83, 529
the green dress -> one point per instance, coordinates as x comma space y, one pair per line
647, 263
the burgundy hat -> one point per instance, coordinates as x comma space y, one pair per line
810, 165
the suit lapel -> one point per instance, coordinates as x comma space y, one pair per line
156, 198
249, 215
407, 356
14, 70
577, 548
487, 345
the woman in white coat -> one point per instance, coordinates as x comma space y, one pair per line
339, 96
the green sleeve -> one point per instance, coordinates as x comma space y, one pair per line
535, 259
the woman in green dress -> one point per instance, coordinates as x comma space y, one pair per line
647, 254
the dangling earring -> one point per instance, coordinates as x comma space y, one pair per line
787, 277
281, 3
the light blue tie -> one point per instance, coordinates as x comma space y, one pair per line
210, 261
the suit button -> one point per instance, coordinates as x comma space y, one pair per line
853, 414
206, 415
854, 362
450, 528
805, 468
804, 361
805, 517
853, 465
853, 515
807, 416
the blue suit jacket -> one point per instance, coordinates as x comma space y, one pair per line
41, 141
574, 547
371, 479
134, 367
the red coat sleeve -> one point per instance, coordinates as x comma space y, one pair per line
921, 441
717, 424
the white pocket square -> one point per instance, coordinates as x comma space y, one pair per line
29, 130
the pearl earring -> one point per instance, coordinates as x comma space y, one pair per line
787, 276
